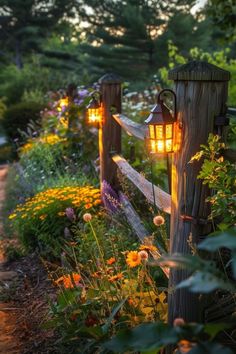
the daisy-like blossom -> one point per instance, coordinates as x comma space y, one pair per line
115, 277
69, 280
87, 217
133, 259
111, 260
143, 255
158, 220
147, 248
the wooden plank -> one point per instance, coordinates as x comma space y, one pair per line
133, 218
231, 111
137, 226
162, 199
132, 128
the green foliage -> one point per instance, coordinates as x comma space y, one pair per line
219, 174
17, 117
219, 58
151, 338
223, 13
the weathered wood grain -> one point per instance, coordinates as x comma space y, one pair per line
110, 130
163, 199
201, 91
137, 226
132, 128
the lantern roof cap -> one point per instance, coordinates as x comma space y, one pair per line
198, 71
110, 78
160, 114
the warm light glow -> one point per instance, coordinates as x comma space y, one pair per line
169, 145
153, 146
160, 146
94, 115
161, 138
63, 102
159, 131
151, 132
169, 131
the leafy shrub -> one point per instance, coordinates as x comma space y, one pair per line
18, 116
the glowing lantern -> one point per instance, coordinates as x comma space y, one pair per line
161, 127
63, 102
94, 111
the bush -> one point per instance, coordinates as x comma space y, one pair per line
41, 220
17, 117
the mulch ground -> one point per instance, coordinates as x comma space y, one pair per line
25, 300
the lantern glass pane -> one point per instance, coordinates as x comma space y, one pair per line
151, 132
169, 131
159, 131
169, 143
94, 115
153, 146
160, 146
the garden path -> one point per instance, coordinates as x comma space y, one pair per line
8, 343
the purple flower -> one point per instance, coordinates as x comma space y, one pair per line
67, 233
83, 93
70, 213
110, 198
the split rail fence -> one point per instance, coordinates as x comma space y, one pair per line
201, 91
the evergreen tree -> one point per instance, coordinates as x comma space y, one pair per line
124, 35
25, 24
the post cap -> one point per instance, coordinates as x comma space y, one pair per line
110, 78
198, 71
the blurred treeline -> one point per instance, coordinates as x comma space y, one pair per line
44, 45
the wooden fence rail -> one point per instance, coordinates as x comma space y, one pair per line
201, 91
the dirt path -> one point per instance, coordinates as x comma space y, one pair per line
8, 342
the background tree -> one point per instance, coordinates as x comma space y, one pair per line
223, 15
25, 24
130, 37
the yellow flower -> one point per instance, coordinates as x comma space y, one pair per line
147, 248
12, 216
133, 259
61, 213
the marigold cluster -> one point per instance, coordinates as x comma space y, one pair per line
58, 199
50, 139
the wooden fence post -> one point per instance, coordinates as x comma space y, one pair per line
201, 90
110, 130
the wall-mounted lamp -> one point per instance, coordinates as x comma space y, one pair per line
94, 109
161, 126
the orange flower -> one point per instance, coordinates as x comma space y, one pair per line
69, 280
133, 259
115, 277
88, 206
111, 260
147, 248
